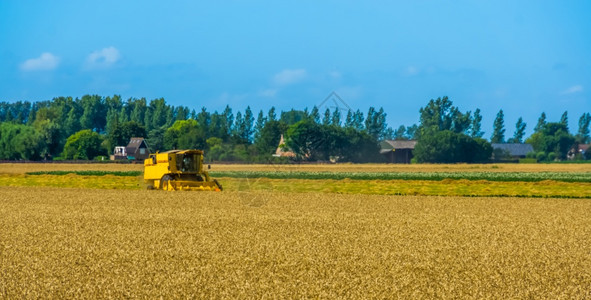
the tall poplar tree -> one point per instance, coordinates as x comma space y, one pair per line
541, 123
498, 135
477, 124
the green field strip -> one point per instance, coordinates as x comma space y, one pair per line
430, 176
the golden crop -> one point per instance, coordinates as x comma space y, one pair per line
21, 168
96, 243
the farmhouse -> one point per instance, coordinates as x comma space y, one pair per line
514, 151
397, 152
579, 149
137, 149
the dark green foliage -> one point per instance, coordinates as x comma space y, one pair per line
477, 125
519, 132
375, 123
541, 122
155, 139
19, 141
311, 141
314, 115
326, 120
336, 117
400, 133
552, 139
498, 135
450, 147
260, 123
583, 132
122, 133
268, 138
84, 144
564, 120
412, 132
442, 135
440, 114
271, 115
186, 134
293, 116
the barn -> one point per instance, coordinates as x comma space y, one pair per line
137, 149
397, 152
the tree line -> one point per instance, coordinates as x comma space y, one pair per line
448, 135
91, 126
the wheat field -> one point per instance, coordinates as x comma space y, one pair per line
96, 243
21, 168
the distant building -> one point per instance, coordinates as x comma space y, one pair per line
281, 152
397, 152
137, 149
580, 149
119, 153
514, 151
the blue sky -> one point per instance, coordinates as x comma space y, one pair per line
525, 57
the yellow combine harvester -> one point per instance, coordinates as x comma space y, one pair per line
178, 170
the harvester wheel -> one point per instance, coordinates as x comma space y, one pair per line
165, 182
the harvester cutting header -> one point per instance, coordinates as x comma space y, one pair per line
177, 170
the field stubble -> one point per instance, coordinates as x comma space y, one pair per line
102, 243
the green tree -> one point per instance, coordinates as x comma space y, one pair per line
315, 115
305, 138
260, 123
18, 141
541, 122
293, 116
268, 137
84, 144
336, 117
157, 114
450, 147
228, 120
123, 132
400, 133
583, 132
498, 135
155, 139
564, 119
553, 138
327, 118
411, 132
94, 113
51, 134
358, 120
271, 115
440, 114
476, 131
243, 127
185, 134
519, 131
349, 119
216, 149
375, 123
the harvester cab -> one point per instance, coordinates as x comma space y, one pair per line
178, 170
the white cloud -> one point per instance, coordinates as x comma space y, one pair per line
270, 93
289, 76
573, 89
103, 58
46, 61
